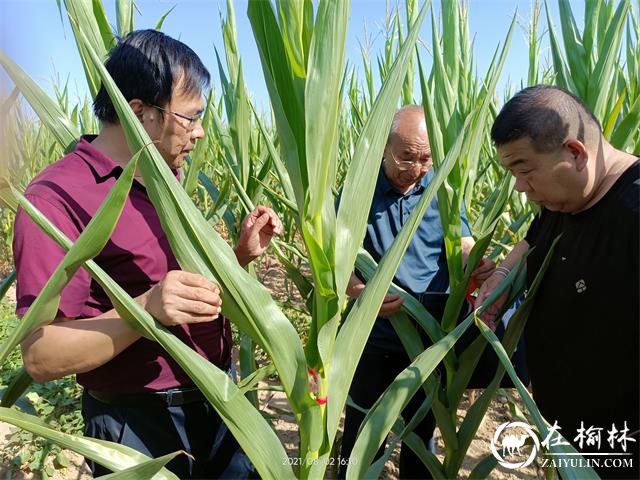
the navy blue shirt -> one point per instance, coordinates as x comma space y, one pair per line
424, 265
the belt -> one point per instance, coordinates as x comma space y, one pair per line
166, 398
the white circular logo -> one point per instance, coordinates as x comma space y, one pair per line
510, 444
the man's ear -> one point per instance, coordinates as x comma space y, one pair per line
578, 153
138, 107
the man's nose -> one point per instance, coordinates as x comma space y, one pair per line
522, 185
198, 130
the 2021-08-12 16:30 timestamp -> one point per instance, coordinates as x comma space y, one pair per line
328, 461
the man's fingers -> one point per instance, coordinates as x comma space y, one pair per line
261, 222
482, 275
391, 304
196, 280
200, 294
391, 297
198, 310
273, 220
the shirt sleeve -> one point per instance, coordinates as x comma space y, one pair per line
36, 257
532, 233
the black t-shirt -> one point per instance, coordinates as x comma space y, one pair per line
582, 335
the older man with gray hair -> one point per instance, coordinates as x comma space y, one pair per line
405, 172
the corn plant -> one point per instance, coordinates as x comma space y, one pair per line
589, 65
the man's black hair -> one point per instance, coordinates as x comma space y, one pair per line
146, 64
547, 115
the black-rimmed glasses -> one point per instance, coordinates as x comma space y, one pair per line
192, 120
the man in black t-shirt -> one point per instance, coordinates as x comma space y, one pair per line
582, 334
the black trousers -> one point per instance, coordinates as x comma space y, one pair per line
374, 374
155, 431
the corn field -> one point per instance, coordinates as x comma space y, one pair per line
325, 132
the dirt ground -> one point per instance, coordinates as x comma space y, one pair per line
275, 404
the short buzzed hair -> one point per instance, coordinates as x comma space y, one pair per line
548, 115
415, 109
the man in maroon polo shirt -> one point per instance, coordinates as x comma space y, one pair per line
135, 394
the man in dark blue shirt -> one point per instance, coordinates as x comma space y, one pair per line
404, 174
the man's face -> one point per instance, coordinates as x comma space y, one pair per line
174, 136
551, 179
407, 157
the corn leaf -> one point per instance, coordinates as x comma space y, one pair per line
378, 422
6, 283
323, 99
291, 14
19, 384
48, 111
144, 470
161, 20
81, 16
108, 454
125, 17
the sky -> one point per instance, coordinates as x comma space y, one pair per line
35, 36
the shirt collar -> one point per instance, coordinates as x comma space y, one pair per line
101, 164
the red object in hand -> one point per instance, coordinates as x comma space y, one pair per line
472, 288
473, 285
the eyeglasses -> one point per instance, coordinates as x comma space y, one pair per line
409, 164
192, 120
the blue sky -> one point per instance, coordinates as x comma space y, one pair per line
33, 34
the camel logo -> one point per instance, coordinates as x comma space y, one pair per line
511, 443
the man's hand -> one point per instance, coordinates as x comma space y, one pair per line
483, 271
489, 316
183, 297
256, 232
390, 305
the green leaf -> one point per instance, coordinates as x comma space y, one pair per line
600, 78
124, 17
48, 111
623, 135
145, 470
201, 149
163, 18
6, 283
286, 95
291, 14
20, 382
323, 99
389, 406
62, 460
108, 454
484, 468
81, 16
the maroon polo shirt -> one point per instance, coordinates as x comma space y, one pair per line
68, 193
